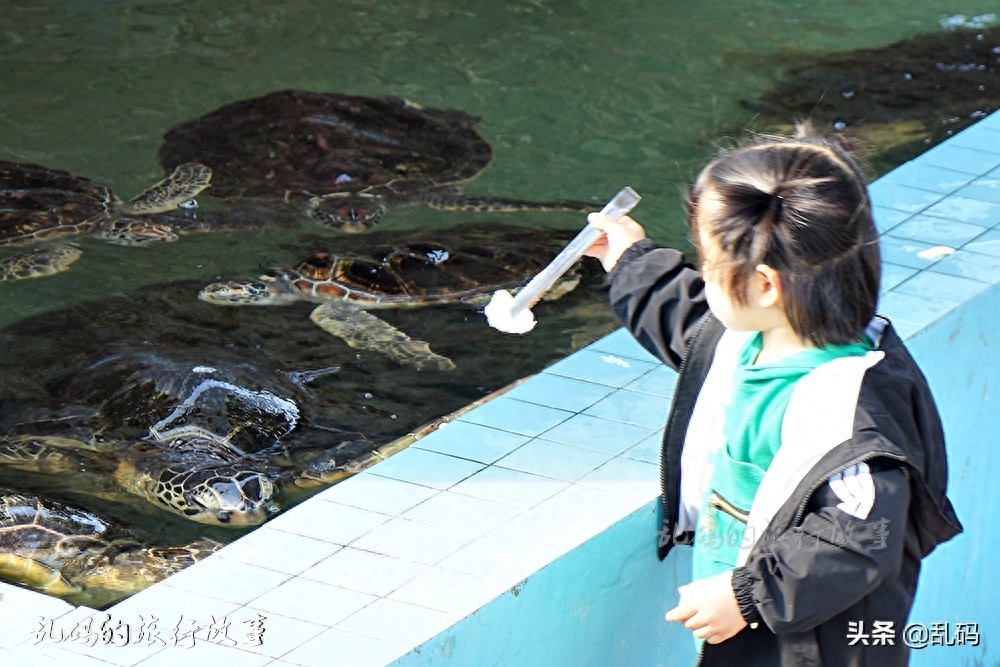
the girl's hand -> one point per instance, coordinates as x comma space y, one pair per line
618, 236
708, 608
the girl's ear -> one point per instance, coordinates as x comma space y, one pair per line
768, 293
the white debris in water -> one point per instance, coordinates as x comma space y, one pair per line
437, 256
499, 316
961, 21
203, 369
936, 252
617, 361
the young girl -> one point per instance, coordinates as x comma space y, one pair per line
803, 457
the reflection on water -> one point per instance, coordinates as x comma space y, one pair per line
577, 99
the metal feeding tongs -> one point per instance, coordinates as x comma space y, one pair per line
512, 313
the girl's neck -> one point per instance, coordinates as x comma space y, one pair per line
778, 343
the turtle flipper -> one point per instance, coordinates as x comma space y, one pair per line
109, 578
50, 455
38, 262
186, 181
363, 331
37, 575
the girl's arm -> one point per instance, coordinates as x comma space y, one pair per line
833, 559
658, 296
655, 293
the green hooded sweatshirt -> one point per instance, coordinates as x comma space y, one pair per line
752, 431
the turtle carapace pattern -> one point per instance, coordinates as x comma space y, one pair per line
342, 159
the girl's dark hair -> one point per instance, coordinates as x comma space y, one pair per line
800, 206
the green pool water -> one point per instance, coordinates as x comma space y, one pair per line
578, 98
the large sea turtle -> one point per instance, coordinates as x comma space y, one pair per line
342, 159
189, 471
465, 265
72, 552
899, 99
69, 551
139, 392
203, 442
201, 476
44, 207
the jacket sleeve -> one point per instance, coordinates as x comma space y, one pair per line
658, 296
830, 561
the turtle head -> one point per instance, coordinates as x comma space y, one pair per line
265, 291
351, 214
224, 496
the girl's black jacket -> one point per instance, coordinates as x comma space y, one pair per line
820, 585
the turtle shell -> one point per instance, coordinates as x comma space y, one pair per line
138, 390
40, 538
296, 141
432, 266
50, 531
72, 552
39, 203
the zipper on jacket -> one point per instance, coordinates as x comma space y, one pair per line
718, 502
664, 463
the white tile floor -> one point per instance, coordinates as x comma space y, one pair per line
374, 566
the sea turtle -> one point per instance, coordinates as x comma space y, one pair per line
189, 471
202, 442
69, 551
342, 159
138, 391
465, 264
899, 99
200, 475
44, 207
